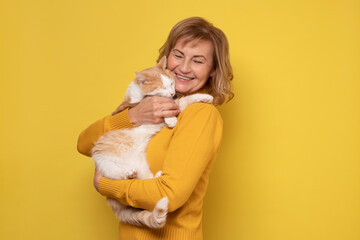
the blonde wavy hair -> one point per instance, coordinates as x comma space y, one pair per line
197, 28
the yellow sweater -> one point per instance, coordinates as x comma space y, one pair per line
185, 154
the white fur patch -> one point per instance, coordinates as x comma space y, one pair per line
134, 93
169, 84
166, 81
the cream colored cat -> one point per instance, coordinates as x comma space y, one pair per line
121, 154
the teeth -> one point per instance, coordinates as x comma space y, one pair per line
185, 78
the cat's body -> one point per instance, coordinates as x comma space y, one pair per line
121, 154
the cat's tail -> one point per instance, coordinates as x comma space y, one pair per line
137, 217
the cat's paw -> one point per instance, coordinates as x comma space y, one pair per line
130, 174
170, 122
158, 174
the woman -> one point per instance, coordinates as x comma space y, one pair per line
198, 55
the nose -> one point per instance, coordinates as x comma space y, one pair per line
185, 67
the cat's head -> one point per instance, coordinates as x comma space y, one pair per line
157, 80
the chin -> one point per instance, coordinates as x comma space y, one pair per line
183, 90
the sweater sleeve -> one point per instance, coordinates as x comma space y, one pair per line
90, 135
195, 142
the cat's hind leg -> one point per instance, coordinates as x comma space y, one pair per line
159, 213
137, 217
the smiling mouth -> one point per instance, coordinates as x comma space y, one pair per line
183, 78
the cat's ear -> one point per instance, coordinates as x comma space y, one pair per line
162, 63
140, 77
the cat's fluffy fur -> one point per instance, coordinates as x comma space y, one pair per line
121, 154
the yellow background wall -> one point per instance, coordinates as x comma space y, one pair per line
289, 164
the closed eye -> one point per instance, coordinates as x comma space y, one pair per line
177, 53
197, 61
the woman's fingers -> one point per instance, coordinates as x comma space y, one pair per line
169, 105
153, 110
169, 113
164, 107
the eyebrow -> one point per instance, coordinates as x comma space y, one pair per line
195, 56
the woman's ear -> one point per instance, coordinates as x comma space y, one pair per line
213, 73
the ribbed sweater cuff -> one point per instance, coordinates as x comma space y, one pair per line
108, 188
117, 121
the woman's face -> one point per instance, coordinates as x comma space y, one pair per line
192, 63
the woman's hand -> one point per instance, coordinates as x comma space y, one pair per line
153, 110
97, 177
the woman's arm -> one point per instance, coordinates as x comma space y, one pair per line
194, 144
149, 110
90, 135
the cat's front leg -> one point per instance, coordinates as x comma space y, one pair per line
201, 97
130, 174
171, 121
198, 97
158, 174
